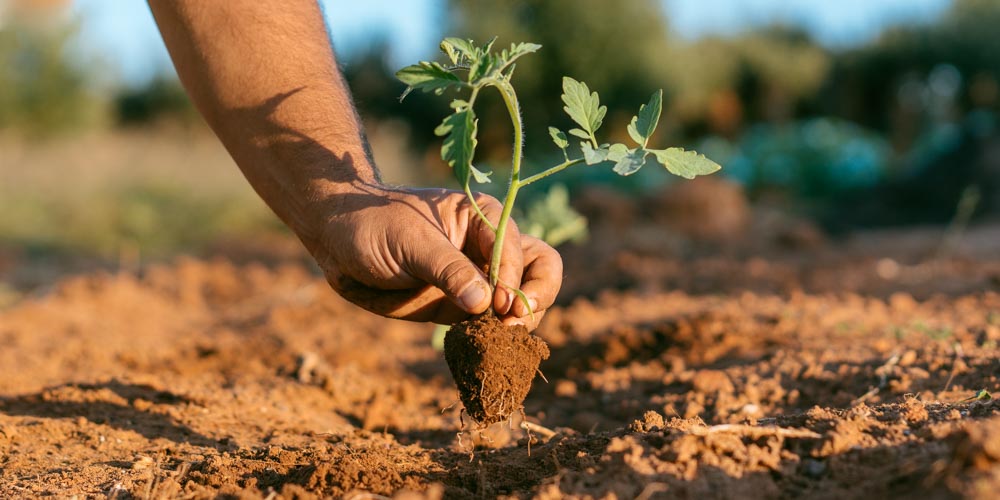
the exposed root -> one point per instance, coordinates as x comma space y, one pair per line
527, 429
446, 408
544, 432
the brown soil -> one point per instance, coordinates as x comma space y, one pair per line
492, 365
825, 372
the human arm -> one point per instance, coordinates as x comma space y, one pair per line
265, 78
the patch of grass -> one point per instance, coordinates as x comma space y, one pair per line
932, 332
159, 219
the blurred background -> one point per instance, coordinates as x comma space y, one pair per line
831, 118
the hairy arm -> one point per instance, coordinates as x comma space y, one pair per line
264, 76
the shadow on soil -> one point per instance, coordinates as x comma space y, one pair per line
77, 400
582, 466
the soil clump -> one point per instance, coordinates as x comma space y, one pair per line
492, 365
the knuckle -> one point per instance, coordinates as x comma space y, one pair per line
488, 204
455, 273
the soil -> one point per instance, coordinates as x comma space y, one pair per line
829, 369
493, 366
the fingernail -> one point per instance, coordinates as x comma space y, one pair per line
472, 296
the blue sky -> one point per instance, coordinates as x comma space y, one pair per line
122, 33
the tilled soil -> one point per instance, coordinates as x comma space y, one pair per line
204, 378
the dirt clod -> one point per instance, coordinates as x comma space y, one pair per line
493, 366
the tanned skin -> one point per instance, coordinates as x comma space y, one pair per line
265, 77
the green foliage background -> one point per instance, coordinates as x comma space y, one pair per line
853, 136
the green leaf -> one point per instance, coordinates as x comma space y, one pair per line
686, 164
509, 72
552, 218
524, 300
488, 46
449, 50
631, 162
459, 131
483, 67
462, 49
559, 138
643, 125
616, 152
582, 105
593, 156
579, 133
519, 49
427, 76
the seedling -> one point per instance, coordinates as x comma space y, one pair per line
472, 69
983, 395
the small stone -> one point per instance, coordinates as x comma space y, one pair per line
813, 468
566, 389
142, 463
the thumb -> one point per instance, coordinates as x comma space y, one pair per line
439, 263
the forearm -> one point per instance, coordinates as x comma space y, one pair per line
264, 76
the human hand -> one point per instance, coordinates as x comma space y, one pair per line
419, 254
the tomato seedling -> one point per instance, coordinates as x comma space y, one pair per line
493, 365
472, 68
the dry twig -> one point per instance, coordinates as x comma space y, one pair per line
959, 354
755, 431
883, 381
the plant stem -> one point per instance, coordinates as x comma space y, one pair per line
468, 190
541, 175
513, 108
479, 211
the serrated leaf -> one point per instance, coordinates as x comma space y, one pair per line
459, 131
520, 49
593, 156
449, 50
616, 152
482, 67
579, 133
427, 76
488, 46
644, 124
480, 176
460, 47
559, 138
509, 72
686, 164
631, 162
582, 105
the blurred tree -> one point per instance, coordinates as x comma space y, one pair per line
932, 89
162, 98
774, 71
43, 93
618, 48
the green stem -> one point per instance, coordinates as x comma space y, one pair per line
541, 175
479, 211
513, 108
468, 190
